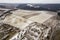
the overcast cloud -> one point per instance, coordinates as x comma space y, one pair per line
29, 1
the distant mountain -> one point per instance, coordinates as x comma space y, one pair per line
8, 5
26, 7
2, 6
49, 7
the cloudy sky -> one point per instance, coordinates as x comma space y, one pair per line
29, 1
